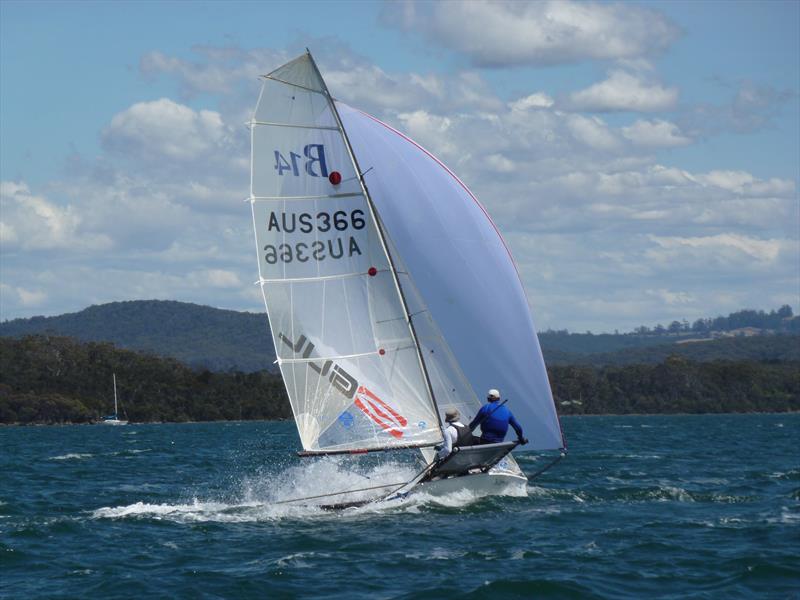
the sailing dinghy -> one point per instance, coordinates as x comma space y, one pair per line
390, 293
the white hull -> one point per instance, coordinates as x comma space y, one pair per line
480, 484
113, 422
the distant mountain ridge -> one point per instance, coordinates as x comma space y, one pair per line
224, 340
199, 336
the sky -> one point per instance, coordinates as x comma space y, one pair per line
642, 159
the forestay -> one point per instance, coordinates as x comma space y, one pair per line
462, 269
344, 343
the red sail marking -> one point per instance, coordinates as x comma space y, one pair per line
376, 409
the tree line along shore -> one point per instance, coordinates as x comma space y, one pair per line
53, 379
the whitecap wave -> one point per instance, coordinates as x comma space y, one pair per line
72, 456
196, 511
669, 492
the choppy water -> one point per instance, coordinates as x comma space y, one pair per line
643, 507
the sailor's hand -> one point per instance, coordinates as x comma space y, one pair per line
523, 441
438, 448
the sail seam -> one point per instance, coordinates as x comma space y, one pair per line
344, 195
324, 358
274, 124
319, 278
297, 85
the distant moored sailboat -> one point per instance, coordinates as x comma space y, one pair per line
114, 419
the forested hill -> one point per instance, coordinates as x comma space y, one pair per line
48, 379
743, 323
224, 340
760, 348
200, 336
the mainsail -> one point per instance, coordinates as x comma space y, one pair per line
390, 293
343, 338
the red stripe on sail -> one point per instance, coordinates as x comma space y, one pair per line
376, 409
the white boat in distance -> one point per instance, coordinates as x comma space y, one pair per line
114, 419
391, 294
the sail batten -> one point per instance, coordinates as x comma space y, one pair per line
319, 278
294, 125
325, 358
317, 197
297, 85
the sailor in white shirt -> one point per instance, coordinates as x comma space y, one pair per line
455, 434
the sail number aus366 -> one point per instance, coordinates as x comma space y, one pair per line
317, 250
322, 221
314, 249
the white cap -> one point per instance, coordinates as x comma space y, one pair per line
493, 393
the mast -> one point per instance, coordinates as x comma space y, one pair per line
382, 238
114, 375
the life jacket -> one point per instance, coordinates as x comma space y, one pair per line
465, 437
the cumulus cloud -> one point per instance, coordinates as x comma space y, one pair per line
370, 88
745, 184
535, 100
31, 222
218, 70
721, 247
232, 73
431, 131
592, 131
623, 91
163, 129
216, 278
671, 298
583, 201
655, 134
22, 296
503, 33
750, 108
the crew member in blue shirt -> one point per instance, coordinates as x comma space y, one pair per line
494, 419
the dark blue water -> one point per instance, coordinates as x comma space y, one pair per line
643, 507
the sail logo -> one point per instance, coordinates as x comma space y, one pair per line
339, 378
381, 413
315, 155
378, 411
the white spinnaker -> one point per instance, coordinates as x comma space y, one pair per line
343, 341
462, 269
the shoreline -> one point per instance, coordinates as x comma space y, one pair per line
134, 423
